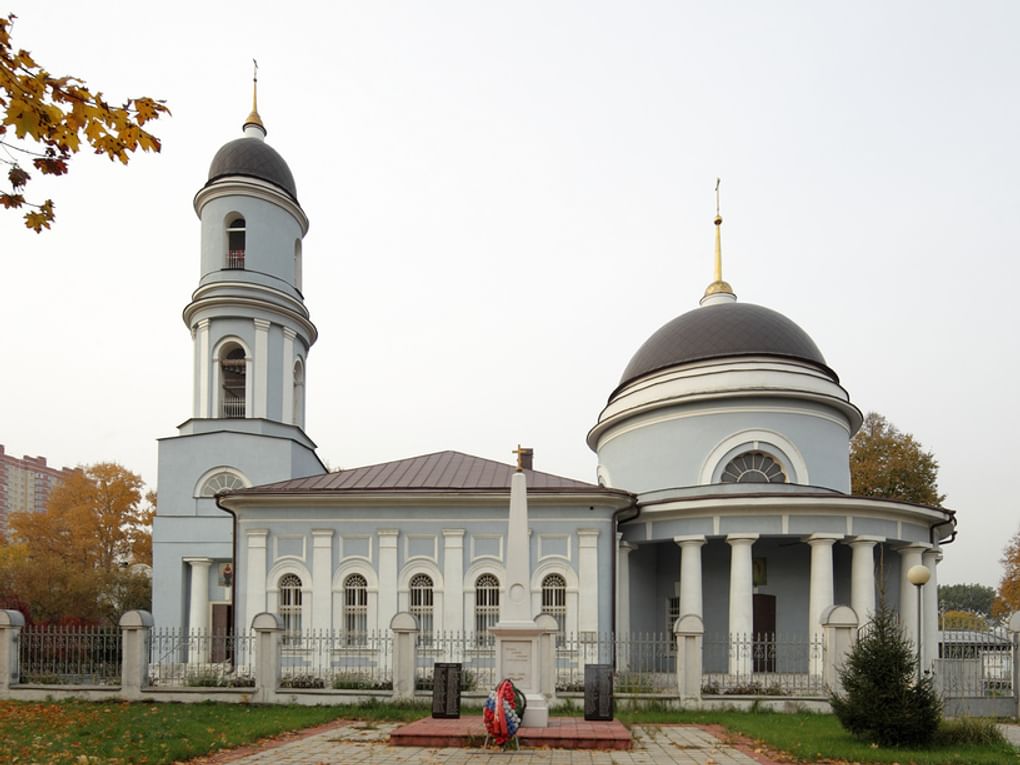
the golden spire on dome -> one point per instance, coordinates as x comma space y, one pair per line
718, 285
254, 118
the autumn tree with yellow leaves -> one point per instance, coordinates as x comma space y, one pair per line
1007, 598
887, 463
44, 120
74, 560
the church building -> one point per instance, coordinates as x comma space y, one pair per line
722, 487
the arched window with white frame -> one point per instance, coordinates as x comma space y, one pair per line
554, 603
356, 610
290, 608
486, 609
423, 606
235, 243
222, 480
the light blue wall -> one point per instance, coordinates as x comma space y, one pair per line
671, 453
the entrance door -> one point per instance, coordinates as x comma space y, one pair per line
764, 647
222, 645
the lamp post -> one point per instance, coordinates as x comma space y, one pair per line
918, 576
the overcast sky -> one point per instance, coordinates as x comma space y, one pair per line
507, 199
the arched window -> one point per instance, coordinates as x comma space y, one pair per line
299, 393
235, 243
290, 608
356, 610
554, 603
753, 467
486, 608
233, 370
422, 601
225, 480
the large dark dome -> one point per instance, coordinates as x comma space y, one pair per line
724, 329
254, 158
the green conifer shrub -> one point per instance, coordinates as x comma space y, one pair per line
882, 703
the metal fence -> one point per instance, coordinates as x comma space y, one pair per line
975, 663
63, 655
763, 664
201, 659
336, 659
645, 661
475, 652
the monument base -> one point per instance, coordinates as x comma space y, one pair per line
537, 713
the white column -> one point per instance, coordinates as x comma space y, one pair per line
322, 579
623, 551
690, 574
741, 603
930, 610
254, 583
387, 575
453, 579
910, 556
202, 362
588, 574
821, 593
862, 576
260, 384
198, 609
287, 376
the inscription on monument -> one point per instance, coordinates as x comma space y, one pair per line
445, 690
598, 691
516, 662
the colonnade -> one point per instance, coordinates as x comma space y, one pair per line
821, 589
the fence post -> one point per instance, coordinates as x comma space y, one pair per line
839, 633
1014, 628
546, 656
268, 628
405, 654
11, 623
135, 629
689, 631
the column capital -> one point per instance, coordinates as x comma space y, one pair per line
932, 555
735, 539
198, 562
451, 535
863, 539
322, 533
262, 324
627, 547
690, 539
587, 537
387, 537
289, 333
257, 537
823, 538
918, 547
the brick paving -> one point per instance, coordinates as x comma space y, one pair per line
359, 742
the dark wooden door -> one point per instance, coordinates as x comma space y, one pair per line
222, 618
764, 648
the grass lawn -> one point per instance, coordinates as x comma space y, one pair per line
817, 737
59, 733
56, 733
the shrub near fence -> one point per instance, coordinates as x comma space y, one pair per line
70, 655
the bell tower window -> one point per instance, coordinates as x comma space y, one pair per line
233, 373
235, 244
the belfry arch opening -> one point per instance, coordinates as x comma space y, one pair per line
233, 381
235, 243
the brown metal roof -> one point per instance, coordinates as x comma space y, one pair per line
440, 471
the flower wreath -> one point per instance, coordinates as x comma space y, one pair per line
502, 712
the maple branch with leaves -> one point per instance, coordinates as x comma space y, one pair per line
60, 113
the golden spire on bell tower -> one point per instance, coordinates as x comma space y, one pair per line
718, 286
254, 118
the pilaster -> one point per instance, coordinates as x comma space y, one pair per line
588, 574
453, 578
322, 579
387, 574
260, 385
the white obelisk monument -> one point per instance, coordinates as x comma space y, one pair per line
517, 634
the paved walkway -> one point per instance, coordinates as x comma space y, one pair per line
1012, 733
359, 742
